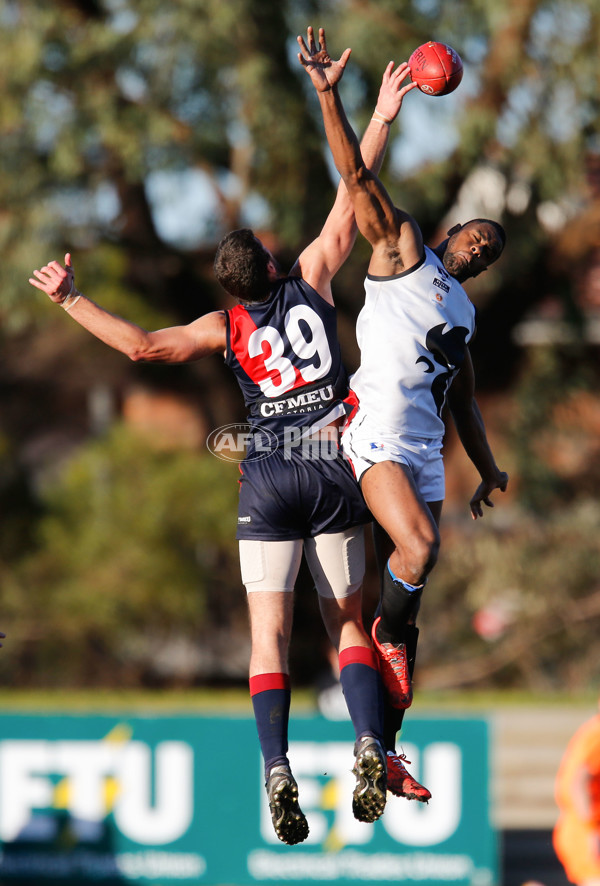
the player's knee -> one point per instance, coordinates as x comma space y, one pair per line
421, 555
432, 547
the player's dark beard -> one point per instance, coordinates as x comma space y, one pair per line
451, 263
454, 264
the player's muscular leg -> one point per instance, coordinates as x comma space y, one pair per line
271, 614
343, 620
400, 510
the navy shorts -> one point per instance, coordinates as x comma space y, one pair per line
287, 496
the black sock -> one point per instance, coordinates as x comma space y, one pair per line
271, 702
361, 684
398, 607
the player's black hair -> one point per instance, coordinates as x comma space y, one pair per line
240, 266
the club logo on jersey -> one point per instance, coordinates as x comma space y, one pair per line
306, 401
447, 347
440, 284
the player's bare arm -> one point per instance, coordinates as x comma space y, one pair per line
395, 237
471, 431
176, 344
321, 260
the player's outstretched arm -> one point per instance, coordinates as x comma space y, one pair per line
321, 260
390, 231
471, 430
176, 344
325, 75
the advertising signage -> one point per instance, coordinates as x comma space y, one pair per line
181, 799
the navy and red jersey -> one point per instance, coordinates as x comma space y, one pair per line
286, 358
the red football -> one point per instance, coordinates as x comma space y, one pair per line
436, 68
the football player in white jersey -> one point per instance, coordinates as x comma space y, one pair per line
413, 333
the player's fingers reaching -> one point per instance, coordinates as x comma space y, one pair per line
55, 273
310, 48
388, 73
481, 495
35, 283
400, 72
302, 43
54, 280
402, 92
42, 281
344, 58
476, 509
391, 92
322, 40
316, 45
58, 269
484, 491
322, 69
45, 275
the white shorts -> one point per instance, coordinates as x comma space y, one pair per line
336, 561
364, 445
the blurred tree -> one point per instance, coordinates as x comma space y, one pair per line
106, 100
555, 431
521, 605
110, 105
133, 574
136, 134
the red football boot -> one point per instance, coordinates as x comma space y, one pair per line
401, 783
393, 667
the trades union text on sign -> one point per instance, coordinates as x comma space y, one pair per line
133, 798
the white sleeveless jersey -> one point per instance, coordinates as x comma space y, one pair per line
412, 333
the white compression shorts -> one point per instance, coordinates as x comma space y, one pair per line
336, 561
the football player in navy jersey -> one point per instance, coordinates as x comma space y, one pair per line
298, 494
413, 333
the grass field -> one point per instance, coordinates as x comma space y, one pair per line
236, 701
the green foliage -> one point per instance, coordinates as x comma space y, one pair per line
537, 578
134, 544
552, 377
132, 549
98, 98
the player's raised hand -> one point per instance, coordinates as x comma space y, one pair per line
483, 492
391, 91
321, 68
55, 280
